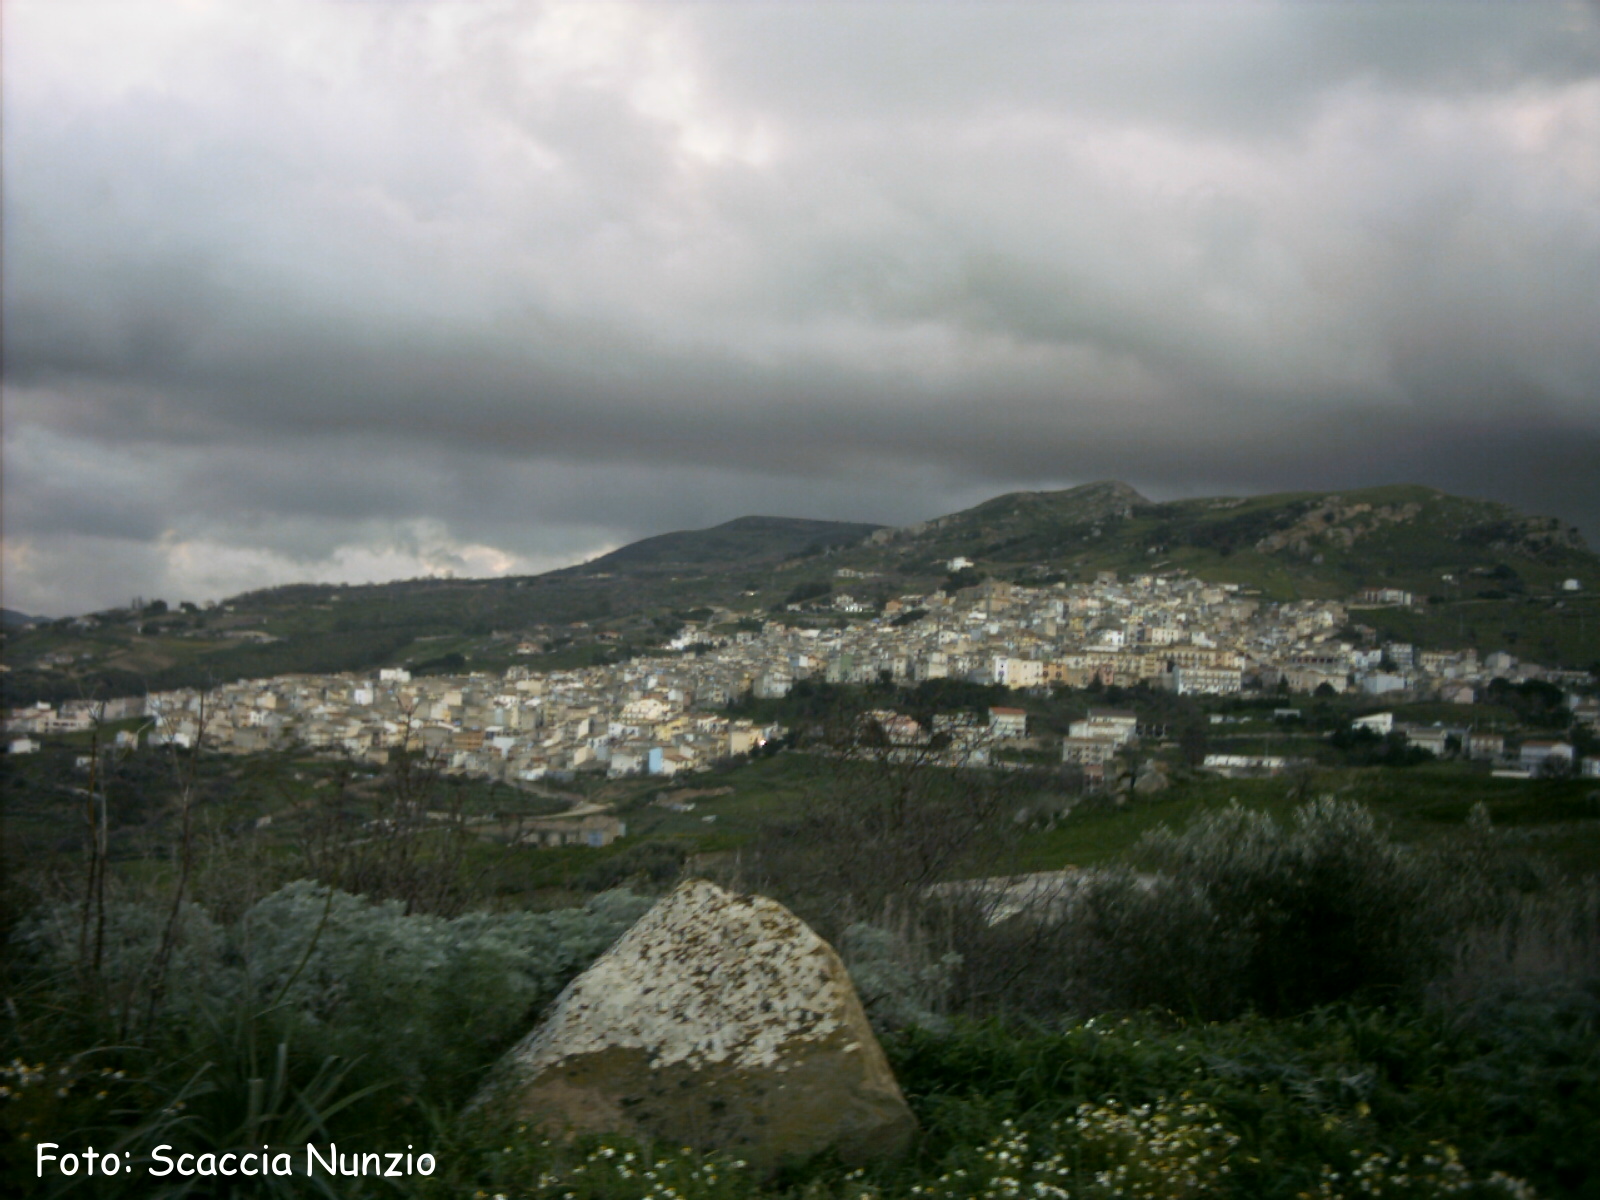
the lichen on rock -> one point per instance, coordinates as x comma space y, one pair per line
721, 1021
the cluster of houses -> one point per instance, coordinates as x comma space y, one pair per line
522, 726
1529, 758
1167, 630
667, 714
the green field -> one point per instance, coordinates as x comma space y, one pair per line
270, 796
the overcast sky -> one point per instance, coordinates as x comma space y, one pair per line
359, 290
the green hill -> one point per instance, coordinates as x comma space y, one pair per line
741, 542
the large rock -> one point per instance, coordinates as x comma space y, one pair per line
1152, 777
718, 1021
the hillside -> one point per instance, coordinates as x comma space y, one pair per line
1010, 520
1291, 545
1481, 573
742, 542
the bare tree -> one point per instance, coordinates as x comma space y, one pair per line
186, 775
92, 926
402, 836
895, 816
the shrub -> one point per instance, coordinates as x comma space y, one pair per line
1237, 912
654, 862
900, 982
608, 1168
418, 1002
1134, 943
1279, 919
114, 973
889, 825
332, 960
1161, 1151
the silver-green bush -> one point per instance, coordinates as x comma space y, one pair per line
338, 974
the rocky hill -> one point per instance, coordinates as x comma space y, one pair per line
1290, 545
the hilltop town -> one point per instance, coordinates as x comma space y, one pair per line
665, 713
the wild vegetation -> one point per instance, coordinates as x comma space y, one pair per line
1290, 996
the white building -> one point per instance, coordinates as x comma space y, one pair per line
1115, 724
1006, 724
1538, 754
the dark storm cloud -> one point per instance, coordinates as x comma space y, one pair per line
341, 290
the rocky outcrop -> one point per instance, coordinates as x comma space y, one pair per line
1152, 777
1533, 537
1338, 522
719, 1021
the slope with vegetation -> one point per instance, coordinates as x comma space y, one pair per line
1291, 545
1326, 989
738, 543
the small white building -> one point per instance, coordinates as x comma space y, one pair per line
1537, 754
1499, 663
1016, 673
1118, 724
1245, 764
1486, 747
1088, 751
1007, 724
773, 684
1432, 738
1380, 723
628, 760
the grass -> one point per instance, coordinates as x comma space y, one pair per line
1097, 833
762, 789
1560, 629
1467, 716
1558, 817
1344, 1101
1297, 1093
1368, 1101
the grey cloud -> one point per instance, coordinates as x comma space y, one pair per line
61, 489
1261, 68
550, 279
